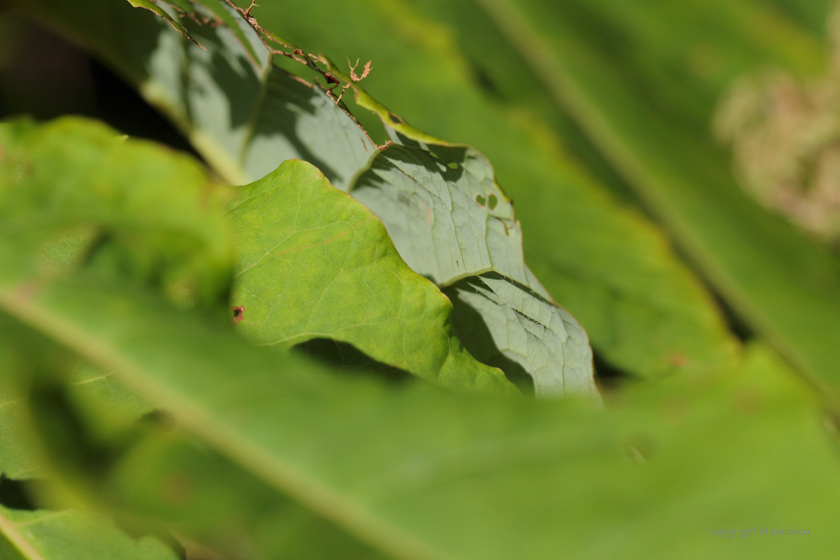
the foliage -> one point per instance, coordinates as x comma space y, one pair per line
345, 354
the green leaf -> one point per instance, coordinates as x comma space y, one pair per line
154, 8
207, 498
779, 281
148, 215
450, 221
316, 264
423, 474
71, 535
50, 534
16, 457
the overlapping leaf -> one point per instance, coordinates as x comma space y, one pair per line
650, 319
317, 264
424, 474
750, 256
450, 221
609, 266
555, 370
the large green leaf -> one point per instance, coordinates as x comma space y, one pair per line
423, 474
314, 263
782, 284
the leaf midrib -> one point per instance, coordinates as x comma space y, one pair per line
9, 529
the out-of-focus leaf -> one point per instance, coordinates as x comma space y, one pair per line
71, 535
154, 8
16, 455
784, 285
809, 13
450, 221
76, 192
207, 498
49, 534
419, 473
315, 263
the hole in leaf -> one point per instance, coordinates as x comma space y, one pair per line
480, 199
348, 359
493, 201
452, 165
238, 313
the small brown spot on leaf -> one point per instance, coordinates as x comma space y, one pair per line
238, 313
